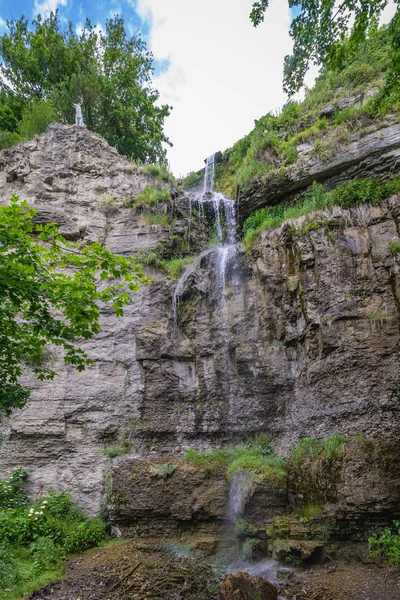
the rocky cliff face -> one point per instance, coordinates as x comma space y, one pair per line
370, 152
302, 341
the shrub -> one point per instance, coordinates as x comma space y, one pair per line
173, 266
310, 448
347, 195
192, 180
386, 546
334, 445
256, 456
114, 451
306, 448
394, 246
36, 119
160, 171
8, 139
35, 536
151, 196
264, 467
154, 218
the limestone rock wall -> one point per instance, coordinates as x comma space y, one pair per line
371, 152
303, 340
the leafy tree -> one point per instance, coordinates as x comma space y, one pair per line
320, 27
50, 296
110, 71
36, 118
8, 121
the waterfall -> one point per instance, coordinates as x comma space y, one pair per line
225, 224
226, 231
240, 491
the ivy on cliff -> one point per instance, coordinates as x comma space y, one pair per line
51, 293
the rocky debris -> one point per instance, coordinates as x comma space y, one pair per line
142, 571
242, 586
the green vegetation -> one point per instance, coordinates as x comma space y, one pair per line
192, 180
317, 32
116, 450
36, 536
386, 546
310, 448
256, 456
154, 218
394, 246
51, 297
380, 316
173, 266
163, 471
272, 146
271, 467
151, 196
348, 195
314, 470
46, 65
161, 172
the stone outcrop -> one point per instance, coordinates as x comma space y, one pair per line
144, 501
373, 152
304, 342
242, 586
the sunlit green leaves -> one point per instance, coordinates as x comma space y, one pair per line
50, 295
46, 66
318, 28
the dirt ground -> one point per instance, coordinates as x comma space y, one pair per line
144, 571
354, 581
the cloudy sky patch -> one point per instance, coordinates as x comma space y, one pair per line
217, 71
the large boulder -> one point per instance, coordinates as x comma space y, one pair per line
242, 586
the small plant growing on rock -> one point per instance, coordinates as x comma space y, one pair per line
394, 246
163, 471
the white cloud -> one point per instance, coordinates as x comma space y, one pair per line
223, 72
45, 7
2, 23
388, 12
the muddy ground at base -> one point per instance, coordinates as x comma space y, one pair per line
137, 570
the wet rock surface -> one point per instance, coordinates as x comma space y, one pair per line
305, 343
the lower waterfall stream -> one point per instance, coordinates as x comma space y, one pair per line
230, 557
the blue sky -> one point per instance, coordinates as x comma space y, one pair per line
211, 65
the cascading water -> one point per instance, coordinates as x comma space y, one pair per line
225, 253
240, 491
222, 206
226, 232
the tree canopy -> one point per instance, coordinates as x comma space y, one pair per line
319, 28
51, 293
43, 62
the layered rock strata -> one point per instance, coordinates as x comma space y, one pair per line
302, 341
